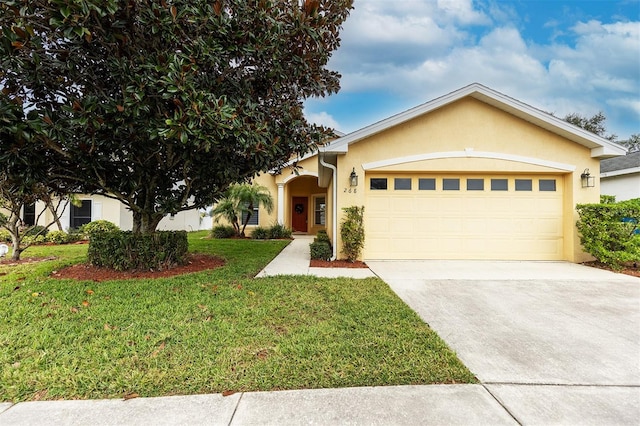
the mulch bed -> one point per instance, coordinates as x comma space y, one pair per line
336, 264
630, 269
195, 263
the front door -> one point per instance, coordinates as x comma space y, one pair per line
299, 214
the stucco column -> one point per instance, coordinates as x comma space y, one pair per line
281, 203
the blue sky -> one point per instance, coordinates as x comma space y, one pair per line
561, 56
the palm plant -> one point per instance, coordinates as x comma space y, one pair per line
239, 202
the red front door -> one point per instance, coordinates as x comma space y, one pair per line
299, 214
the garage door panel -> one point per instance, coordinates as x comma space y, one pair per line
438, 224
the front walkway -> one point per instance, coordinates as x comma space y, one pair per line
295, 258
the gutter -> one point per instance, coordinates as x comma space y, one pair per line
334, 204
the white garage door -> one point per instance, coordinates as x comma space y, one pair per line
463, 217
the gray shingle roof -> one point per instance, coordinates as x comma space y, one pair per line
628, 161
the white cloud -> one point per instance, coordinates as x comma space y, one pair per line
463, 12
417, 50
322, 119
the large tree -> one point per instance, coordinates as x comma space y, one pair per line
164, 104
26, 176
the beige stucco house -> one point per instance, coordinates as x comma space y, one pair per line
473, 174
96, 207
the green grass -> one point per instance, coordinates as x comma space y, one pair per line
207, 332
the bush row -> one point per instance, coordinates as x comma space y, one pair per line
40, 235
274, 232
126, 251
610, 231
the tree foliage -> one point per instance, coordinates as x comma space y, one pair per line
633, 143
164, 104
26, 176
595, 124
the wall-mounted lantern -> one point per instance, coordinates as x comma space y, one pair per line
353, 178
588, 181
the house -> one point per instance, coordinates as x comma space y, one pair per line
96, 207
473, 174
620, 176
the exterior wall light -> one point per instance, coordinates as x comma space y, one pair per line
588, 181
353, 178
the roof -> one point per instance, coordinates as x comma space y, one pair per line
625, 164
600, 147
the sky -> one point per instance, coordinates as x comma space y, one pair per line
560, 56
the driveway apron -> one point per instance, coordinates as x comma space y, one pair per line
558, 339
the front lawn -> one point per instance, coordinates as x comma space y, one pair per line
207, 332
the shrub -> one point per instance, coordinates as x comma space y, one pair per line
58, 237
33, 240
609, 232
279, 232
352, 232
88, 229
5, 236
322, 237
260, 233
320, 250
36, 230
127, 251
223, 231
607, 199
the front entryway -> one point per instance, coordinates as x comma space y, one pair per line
299, 214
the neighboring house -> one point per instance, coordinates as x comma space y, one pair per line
473, 174
620, 176
95, 207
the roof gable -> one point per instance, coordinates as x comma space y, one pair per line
600, 147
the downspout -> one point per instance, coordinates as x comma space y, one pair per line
334, 204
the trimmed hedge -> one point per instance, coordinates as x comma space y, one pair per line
320, 250
128, 251
223, 231
610, 232
274, 232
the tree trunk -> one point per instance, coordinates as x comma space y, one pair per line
56, 217
16, 238
17, 251
146, 223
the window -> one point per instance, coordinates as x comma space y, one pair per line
547, 185
402, 184
29, 214
253, 219
378, 184
320, 207
475, 184
499, 184
451, 184
80, 215
523, 185
427, 184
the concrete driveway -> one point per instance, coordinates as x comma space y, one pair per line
552, 341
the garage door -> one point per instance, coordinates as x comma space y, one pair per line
463, 217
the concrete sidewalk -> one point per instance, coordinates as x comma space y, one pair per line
295, 258
393, 405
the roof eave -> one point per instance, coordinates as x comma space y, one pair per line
600, 148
